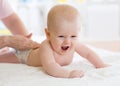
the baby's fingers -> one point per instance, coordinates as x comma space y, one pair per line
76, 74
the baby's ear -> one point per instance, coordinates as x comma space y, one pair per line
47, 33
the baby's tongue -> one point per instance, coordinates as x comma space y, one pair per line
65, 47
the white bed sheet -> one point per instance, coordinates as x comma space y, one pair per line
23, 75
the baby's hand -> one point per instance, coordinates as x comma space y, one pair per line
76, 74
104, 65
107, 65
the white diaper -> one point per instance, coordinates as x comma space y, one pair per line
22, 55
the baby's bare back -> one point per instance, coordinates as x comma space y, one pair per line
33, 59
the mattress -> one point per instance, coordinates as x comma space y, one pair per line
23, 75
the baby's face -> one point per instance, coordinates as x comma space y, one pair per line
64, 37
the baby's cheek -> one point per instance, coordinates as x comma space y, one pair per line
74, 43
59, 42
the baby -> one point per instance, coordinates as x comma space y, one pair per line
57, 50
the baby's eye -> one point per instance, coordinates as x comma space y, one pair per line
73, 36
61, 36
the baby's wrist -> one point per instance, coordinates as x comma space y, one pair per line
71, 74
76, 74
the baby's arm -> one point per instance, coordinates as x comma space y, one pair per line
52, 68
56, 70
90, 55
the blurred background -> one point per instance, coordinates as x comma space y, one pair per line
100, 18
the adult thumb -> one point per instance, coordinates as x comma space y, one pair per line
29, 35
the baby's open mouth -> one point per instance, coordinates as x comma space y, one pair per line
65, 47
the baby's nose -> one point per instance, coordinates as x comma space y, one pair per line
67, 41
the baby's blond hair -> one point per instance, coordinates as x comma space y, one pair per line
60, 13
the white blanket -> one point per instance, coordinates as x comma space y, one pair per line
23, 75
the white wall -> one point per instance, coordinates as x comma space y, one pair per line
100, 20
103, 22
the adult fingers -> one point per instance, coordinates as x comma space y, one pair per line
29, 35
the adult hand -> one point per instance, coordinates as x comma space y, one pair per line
20, 42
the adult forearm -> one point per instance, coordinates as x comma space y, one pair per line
6, 41
15, 25
17, 42
2, 41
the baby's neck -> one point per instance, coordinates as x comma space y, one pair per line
63, 59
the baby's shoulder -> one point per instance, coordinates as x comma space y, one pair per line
45, 45
80, 46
